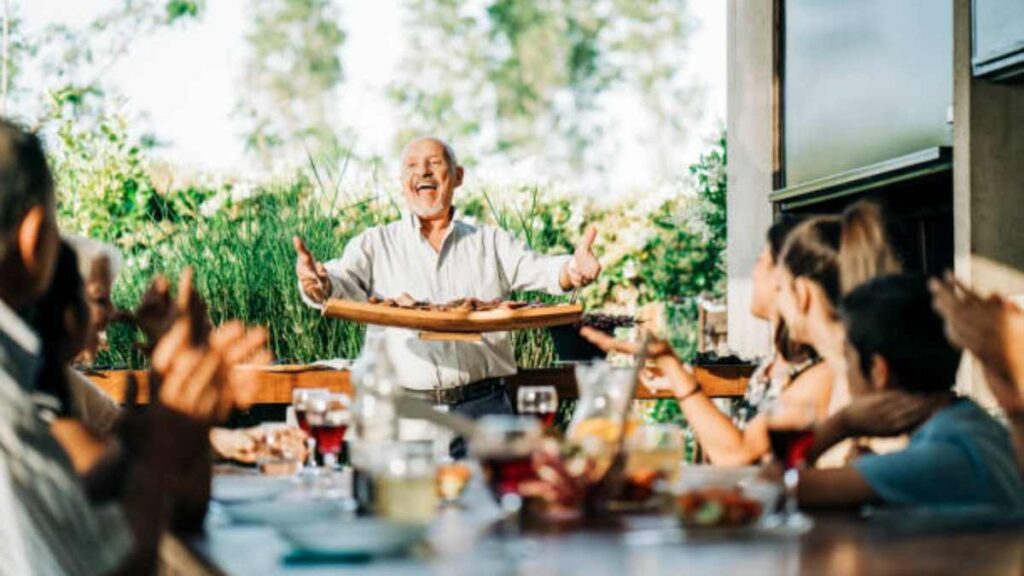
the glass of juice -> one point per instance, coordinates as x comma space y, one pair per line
404, 485
654, 454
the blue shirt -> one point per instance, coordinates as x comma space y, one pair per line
960, 456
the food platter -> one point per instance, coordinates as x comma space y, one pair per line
452, 320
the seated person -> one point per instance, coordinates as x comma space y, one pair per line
49, 525
86, 279
901, 370
993, 330
793, 371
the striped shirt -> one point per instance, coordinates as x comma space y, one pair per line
47, 525
474, 261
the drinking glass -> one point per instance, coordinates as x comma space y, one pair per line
404, 486
300, 396
328, 418
300, 405
504, 446
539, 401
791, 434
277, 453
654, 454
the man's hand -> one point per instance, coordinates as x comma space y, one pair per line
584, 267
312, 275
887, 413
990, 328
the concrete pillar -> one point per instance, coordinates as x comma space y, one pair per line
750, 32
988, 180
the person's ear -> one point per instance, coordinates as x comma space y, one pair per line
803, 291
459, 173
880, 373
30, 237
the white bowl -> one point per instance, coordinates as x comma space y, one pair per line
363, 536
283, 512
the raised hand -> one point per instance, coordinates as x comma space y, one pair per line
196, 368
672, 374
584, 267
990, 328
312, 275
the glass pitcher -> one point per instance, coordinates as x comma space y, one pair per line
605, 393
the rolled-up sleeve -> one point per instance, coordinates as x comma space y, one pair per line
525, 269
352, 274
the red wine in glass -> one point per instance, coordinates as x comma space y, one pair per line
538, 401
547, 418
790, 445
505, 472
329, 438
301, 419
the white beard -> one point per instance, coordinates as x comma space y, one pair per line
427, 211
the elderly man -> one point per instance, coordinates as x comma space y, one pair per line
433, 256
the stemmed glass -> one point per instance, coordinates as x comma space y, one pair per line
791, 434
301, 398
328, 421
539, 401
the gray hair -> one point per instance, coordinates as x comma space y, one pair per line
449, 152
88, 250
25, 179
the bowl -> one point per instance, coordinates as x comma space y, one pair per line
357, 537
716, 497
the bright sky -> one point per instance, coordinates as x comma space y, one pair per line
184, 82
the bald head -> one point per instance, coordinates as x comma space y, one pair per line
430, 175
449, 152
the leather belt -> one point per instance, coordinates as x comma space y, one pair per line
460, 394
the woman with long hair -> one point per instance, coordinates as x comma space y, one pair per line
792, 371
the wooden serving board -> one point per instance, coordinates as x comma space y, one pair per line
453, 321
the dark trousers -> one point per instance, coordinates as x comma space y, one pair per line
496, 402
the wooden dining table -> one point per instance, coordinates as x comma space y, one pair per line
471, 539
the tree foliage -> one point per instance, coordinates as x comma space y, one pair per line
527, 77
292, 77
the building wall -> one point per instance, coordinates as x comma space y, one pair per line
750, 76
988, 180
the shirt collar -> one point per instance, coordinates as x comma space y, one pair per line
19, 348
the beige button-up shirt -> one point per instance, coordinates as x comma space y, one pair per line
474, 261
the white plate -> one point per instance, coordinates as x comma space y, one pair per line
282, 512
363, 536
244, 488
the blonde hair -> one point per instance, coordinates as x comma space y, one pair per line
841, 252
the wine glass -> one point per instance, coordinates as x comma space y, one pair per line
328, 421
791, 435
504, 446
539, 401
301, 398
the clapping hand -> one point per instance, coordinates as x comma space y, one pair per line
992, 329
313, 277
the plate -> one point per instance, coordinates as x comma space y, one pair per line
451, 320
283, 512
358, 537
247, 488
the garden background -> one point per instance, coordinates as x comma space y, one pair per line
528, 85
